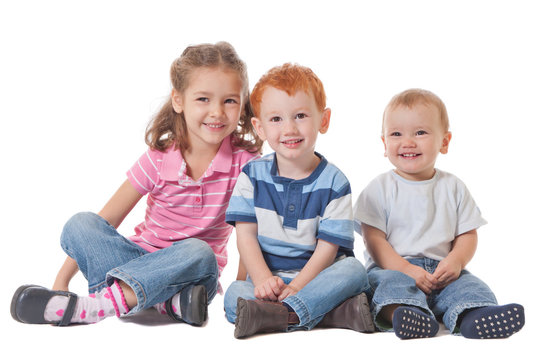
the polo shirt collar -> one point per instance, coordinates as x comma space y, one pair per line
173, 167
308, 180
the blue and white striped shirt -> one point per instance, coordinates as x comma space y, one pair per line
292, 214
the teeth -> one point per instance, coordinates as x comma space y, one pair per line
408, 155
214, 126
292, 141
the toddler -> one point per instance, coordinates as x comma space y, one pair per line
419, 226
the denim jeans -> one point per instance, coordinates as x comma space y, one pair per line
103, 255
335, 284
393, 287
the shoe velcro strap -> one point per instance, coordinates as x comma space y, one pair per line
70, 309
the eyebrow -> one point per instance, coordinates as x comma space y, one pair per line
208, 93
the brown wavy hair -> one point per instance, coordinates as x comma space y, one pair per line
168, 128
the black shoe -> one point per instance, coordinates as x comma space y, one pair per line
29, 303
193, 305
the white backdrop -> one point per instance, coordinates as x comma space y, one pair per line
79, 82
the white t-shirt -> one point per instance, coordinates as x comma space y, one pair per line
419, 218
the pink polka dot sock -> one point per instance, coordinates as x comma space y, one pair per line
90, 309
175, 306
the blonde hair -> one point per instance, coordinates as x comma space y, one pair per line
289, 78
411, 97
168, 128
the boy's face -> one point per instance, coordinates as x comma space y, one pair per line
413, 138
291, 124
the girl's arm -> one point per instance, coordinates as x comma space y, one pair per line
463, 249
120, 204
267, 286
114, 212
386, 257
323, 256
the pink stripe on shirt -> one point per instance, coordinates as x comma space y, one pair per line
178, 207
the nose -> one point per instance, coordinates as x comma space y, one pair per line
216, 109
289, 127
408, 141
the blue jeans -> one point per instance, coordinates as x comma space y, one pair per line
335, 284
393, 287
103, 255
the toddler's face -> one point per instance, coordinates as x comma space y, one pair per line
413, 138
291, 124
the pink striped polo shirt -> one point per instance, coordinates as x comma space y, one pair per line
179, 207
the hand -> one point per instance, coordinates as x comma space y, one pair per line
269, 289
289, 290
447, 271
424, 280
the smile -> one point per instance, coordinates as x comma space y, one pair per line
292, 144
409, 155
292, 141
214, 126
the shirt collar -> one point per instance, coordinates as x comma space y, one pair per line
173, 167
308, 180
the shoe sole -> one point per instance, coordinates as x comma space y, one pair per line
239, 323
199, 306
365, 323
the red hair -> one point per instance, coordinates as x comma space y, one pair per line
290, 78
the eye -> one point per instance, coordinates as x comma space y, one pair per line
395, 133
203, 99
421, 132
231, 101
300, 116
275, 119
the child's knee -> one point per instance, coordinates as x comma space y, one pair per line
74, 229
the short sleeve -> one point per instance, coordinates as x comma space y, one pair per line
241, 205
469, 215
369, 208
336, 225
144, 174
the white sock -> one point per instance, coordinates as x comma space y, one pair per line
89, 309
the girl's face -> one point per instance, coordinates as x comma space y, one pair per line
212, 104
413, 138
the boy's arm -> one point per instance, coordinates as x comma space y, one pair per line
242, 273
267, 286
323, 256
386, 257
463, 249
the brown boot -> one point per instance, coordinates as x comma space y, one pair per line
353, 313
256, 316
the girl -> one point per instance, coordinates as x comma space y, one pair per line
199, 141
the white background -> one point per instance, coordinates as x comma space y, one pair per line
79, 82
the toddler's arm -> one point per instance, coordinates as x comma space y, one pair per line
323, 256
463, 249
386, 257
267, 286
115, 211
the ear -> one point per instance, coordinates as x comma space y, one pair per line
384, 142
446, 141
325, 121
257, 125
177, 102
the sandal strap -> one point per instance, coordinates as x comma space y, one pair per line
70, 309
